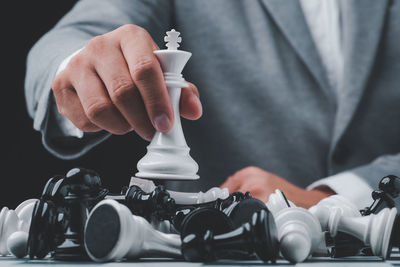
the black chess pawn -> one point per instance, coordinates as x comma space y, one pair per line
59, 216
257, 237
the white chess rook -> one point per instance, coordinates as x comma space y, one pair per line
374, 230
185, 198
112, 232
14, 228
168, 154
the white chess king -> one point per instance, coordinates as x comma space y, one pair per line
168, 154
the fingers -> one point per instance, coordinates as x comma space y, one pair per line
69, 105
123, 92
190, 105
137, 48
94, 99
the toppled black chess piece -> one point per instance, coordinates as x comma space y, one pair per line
60, 215
257, 237
157, 204
387, 196
204, 219
344, 245
226, 205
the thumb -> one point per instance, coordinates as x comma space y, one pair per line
190, 105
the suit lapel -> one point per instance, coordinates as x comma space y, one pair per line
288, 16
363, 22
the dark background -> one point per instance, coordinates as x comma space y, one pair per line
26, 165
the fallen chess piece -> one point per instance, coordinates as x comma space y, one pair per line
278, 201
256, 237
299, 232
112, 232
184, 198
374, 230
386, 197
60, 214
157, 204
14, 227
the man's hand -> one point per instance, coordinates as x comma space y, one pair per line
261, 184
116, 83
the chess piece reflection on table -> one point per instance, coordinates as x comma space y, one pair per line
374, 230
168, 154
112, 232
256, 237
14, 228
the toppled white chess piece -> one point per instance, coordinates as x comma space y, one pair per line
185, 198
299, 232
168, 154
278, 201
112, 232
14, 228
336, 214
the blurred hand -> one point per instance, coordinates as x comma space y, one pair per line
116, 84
261, 184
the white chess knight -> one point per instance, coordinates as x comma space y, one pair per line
185, 198
299, 232
14, 228
112, 232
335, 214
168, 154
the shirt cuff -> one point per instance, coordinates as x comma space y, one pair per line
67, 128
349, 185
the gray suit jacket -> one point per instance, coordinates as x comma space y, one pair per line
266, 97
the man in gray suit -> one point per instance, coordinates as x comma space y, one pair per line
307, 91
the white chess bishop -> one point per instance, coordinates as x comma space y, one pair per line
168, 154
14, 228
299, 232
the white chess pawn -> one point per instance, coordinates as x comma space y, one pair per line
185, 198
112, 232
168, 154
13, 225
374, 230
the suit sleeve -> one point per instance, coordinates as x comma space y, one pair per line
88, 18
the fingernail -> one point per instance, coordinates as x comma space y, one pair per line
162, 123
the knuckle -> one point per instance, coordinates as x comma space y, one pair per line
120, 88
97, 109
97, 44
135, 30
143, 68
78, 61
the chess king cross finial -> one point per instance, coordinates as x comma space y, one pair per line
172, 39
